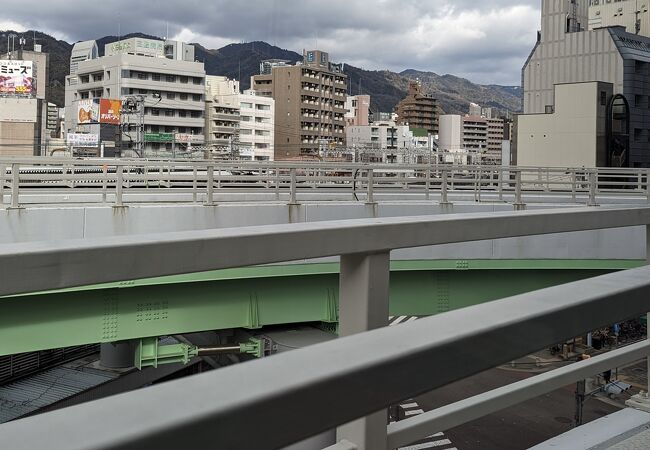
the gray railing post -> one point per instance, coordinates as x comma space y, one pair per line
647, 185
195, 184
119, 187
593, 185
3, 178
277, 184
15, 185
574, 185
363, 306
500, 183
209, 201
371, 181
519, 204
443, 188
104, 183
427, 184
293, 199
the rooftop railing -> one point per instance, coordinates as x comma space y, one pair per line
348, 382
119, 182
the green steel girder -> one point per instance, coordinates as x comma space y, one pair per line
261, 296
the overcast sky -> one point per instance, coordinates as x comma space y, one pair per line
486, 41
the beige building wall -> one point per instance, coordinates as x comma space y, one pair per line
603, 13
572, 136
578, 57
451, 132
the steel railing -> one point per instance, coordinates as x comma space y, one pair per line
280, 400
118, 182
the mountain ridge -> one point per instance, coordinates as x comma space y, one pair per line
242, 60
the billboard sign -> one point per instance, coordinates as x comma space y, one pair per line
185, 138
17, 77
88, 111
158, 137
82, 140
110, 111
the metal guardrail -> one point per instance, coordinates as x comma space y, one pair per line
292, 396
119, 182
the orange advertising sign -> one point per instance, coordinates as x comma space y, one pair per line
110, 111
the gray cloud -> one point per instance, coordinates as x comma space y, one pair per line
485, 41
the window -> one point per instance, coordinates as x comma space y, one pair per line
183, 96
638, 99
638, 132
84, 79
142, 91
142, 76
155, 77
196, 114
263, 107
246, 105
197, 80
155, 112
169, 113
197, 97
262, 120
182, 113
169, 129
183, 80
108, 92
603, 98
155, 128
245, 131
246, 118
171, 96
262, 133
181, 129
98, 77
170, 79
84, 95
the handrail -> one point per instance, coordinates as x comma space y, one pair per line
298, 394
459, 413
41, 266
39, 176
306, 388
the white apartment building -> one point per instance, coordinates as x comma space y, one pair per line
380, 142
162, 76
241, 122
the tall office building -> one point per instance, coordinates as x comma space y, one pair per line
418, 110
566, 53
309, 104
161, 76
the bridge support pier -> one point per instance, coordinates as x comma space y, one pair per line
117, 355
363, 306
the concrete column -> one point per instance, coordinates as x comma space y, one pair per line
363, 306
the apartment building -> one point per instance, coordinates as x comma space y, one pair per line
358, 110
309, 104
379, 142
240, 123
418, 110
475, 134
162, 77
